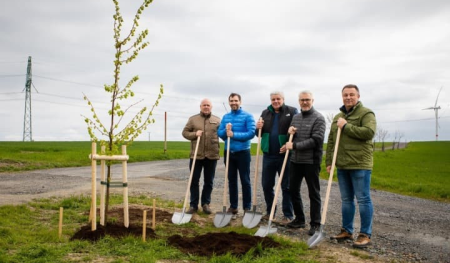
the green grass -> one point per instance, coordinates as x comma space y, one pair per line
421, 170
24, 156
29, 233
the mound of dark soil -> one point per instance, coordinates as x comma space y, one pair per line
118, 230
205, 245
220, 243
113, 230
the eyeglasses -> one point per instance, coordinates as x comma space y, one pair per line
304, 100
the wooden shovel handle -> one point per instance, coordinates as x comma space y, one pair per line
225, 186
255, 182
192, 172
275, 198
330, 179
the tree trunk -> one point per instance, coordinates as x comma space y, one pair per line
108, 181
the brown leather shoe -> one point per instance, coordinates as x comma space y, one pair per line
344, 235
206, 209
362, 241
192, 210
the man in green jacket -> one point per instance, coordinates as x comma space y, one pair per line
354, 163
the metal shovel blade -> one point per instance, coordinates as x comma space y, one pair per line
222, 218
318, 236
251, 218
181, 218
266, 230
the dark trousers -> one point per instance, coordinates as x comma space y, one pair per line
239, 162
209, 170
311, 174
271, 166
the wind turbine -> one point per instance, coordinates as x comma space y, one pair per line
436, 108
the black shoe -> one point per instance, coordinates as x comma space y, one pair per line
296, 223
313, 229
234, 212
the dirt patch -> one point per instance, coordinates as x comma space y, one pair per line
117, 228
136, 214
204, 245
220, 243
10, 164
114, 230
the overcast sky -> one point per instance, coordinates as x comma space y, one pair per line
397, 52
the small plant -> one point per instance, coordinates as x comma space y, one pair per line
127, 50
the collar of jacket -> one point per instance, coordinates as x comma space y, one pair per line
236, 111
344, 110
307, 112
206, 116
271, 109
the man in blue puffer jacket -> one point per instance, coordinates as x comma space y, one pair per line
239, 125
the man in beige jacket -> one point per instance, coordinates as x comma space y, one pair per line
203, 126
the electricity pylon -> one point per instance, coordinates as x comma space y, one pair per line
27, 128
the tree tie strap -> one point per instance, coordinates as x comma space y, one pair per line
114, 184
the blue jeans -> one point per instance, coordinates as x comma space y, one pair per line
209, 170
356, 183
271, 166
239, 161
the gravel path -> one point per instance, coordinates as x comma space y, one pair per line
405, 228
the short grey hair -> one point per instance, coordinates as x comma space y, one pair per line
205, 100
277, 93
306, 92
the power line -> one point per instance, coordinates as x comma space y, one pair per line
68, 81
11, 92
12, 75
11, 99
427, 119
11, 62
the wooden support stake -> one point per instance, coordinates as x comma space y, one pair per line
61, 209
144, 225
126, 221
154, 215
93, 216
102, 188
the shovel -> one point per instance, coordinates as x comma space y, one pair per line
265, 230
319, 235
183, 217
223, 218
252, 218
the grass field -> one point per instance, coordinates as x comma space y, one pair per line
422, 169
20, 156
